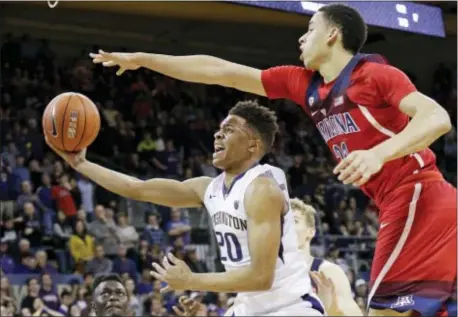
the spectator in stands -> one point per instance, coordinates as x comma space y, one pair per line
99, 264
127, 234
81, 246
75, 192
157, 306
20, 173
47, 292
43, 266
6, 194
62, 231
6, 261
32, 224
144, 258
88, 279
27, 265
7, 307
74, 311
8, 233
361, 288
66, 300
193, 261
27, 195
62, 196
170, 159
146, 146
134, 301
122, 264
44, 191
6, 290
24, 248
152, 233
33, 289
87, 188
35, 171
176, 227
104, 231
144, 285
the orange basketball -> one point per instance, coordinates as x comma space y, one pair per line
71, 122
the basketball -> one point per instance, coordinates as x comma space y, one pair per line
71, 122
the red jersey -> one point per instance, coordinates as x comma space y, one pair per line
363, 114
64, 200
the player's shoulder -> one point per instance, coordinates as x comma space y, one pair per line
199, 185
265, 188
372, 70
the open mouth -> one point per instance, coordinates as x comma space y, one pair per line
219, 148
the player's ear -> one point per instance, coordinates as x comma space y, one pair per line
254, 146
333, 35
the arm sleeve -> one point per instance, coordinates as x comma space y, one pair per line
393, 85
286, 82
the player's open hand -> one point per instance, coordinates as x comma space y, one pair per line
125, 61
358, 167
174, 272
187, 307
326, 291
74, 159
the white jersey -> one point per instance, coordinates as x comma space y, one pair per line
291, 282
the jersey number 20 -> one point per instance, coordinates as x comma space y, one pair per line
229, 246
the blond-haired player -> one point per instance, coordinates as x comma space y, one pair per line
343, 304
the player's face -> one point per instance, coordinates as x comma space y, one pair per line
110, 299
234, 143
316, 43
304, 233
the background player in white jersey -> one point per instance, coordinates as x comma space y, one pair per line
265, 258
341, 303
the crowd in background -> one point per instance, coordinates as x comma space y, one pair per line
54, 220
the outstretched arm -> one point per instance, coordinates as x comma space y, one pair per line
193, 68
159, 191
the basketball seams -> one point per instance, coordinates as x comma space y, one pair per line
82, 104
63, 122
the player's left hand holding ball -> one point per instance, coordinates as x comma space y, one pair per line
175, 272
74, 159
358, 167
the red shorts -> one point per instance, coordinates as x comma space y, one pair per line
415, 261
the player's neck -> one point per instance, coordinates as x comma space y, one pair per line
306, 251
232, 173
334, 65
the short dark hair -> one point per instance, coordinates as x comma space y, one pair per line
104, 278
350, 23
260, 118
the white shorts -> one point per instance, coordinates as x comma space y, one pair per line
308, 305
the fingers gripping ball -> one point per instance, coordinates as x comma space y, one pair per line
71, 122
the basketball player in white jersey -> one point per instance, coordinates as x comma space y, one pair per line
341, 302
249, 207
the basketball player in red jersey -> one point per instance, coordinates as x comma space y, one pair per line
361, 106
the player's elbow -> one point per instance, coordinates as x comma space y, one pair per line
133, 189
263, 281
438, 118
444, 124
